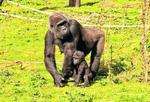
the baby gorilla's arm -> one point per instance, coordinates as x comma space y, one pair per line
87, 75
80, 73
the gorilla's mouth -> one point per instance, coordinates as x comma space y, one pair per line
67, 37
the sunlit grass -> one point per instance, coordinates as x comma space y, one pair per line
23, 76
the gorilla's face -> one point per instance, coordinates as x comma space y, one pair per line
78, 56
62, 28
60, 25
76, 61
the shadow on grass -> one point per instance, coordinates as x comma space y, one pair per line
89, 3
48, 8
85, 4
116, 68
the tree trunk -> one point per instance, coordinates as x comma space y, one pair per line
74, 3
71, 3
77, 3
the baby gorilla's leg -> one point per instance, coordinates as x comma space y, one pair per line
79, 76
74, 73
87, 77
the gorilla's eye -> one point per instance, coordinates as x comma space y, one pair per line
62, 23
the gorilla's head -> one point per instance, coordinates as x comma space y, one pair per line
78, 56
60, 25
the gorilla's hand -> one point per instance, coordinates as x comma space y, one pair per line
59, 81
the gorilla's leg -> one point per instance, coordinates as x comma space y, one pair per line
96, 55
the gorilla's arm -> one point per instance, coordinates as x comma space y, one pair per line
68, 61
59, 43
49, 59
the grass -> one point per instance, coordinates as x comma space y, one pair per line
23, 77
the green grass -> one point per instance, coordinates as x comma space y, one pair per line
23, 77
34, 84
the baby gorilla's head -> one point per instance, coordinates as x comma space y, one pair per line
78, 56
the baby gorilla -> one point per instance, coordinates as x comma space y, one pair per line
82, 72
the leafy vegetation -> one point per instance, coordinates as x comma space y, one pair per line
23, 76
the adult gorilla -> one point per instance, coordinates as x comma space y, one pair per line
64, 30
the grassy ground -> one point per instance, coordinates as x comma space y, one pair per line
23, 77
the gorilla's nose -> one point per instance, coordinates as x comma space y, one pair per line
64, 28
